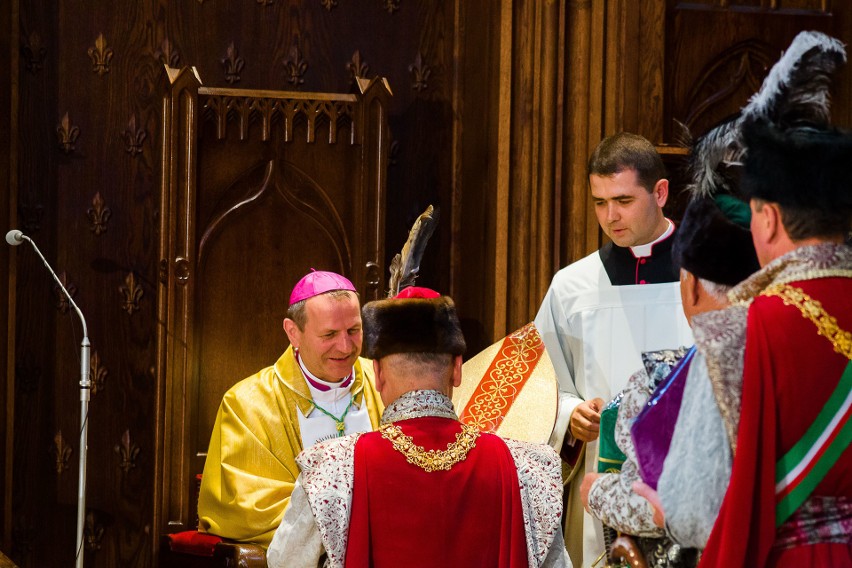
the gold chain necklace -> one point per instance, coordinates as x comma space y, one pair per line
432, 460
812, 309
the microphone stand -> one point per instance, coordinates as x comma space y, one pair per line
85, 392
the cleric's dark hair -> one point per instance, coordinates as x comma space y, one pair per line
625, 151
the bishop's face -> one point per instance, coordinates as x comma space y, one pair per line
628, 213
331, 341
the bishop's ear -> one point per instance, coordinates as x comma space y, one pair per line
292, 331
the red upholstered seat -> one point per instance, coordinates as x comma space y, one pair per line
194, 549
193, 542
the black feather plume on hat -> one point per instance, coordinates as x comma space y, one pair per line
795, 92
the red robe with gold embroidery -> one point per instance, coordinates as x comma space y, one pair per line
790, 372
402, 515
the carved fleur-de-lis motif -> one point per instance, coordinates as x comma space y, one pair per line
61, 452
357, 68
34, 52
132, 292
62, 303
128, 451
98, 214
101, 55
67, 134
391, 6
233, 64
329, 4
420, 73
295, 65
167, 54
31, 216
94, 531
134, 137
97, 373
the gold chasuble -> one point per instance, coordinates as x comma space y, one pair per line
251, 468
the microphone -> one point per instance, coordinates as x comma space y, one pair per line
14, 238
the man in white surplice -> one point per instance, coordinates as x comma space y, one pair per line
601, 312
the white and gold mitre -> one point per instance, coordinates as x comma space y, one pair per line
510, 388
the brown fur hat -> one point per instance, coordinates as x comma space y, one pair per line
414, 324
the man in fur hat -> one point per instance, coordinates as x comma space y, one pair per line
713, 254
318, 389
425, 490
780, 359
779, 362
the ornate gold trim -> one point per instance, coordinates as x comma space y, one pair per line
431, 460
743, 297
812, 309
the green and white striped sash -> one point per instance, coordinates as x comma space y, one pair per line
807, 463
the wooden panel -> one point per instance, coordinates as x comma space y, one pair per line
765, 6
9, 16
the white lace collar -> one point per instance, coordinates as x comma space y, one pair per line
417, 404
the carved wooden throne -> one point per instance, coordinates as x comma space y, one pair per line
257, 188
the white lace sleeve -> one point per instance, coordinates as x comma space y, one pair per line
297, 542
611, 497
540, 482
328, 473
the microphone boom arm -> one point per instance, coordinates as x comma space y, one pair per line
15, 238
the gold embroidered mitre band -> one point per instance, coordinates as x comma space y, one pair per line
510, 388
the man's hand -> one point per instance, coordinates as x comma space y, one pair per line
585, 487
585, 424
640, 488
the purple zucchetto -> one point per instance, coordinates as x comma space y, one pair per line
318, 282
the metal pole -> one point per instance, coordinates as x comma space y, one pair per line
14, 238
85, 391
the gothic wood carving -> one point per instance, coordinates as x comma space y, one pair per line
34, 52
61, 452
98, 214
101, 55
97, 373
233, 64
134, 136
67, 133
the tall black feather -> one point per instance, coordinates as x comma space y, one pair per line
406, 264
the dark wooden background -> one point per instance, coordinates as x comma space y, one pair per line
495, 107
